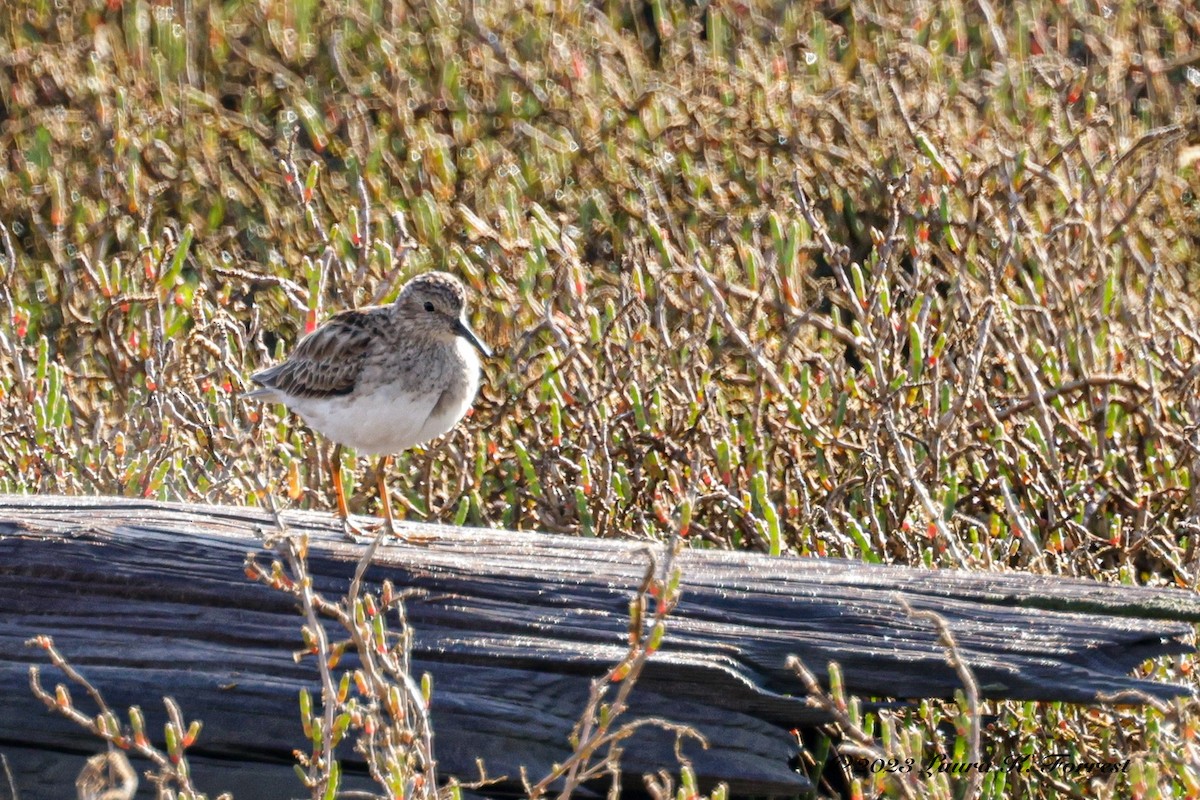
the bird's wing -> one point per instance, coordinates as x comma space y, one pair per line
326, 362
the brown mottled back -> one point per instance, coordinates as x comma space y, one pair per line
326, 362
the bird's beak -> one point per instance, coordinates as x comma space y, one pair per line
464, 330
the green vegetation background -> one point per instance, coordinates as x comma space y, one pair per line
909, 283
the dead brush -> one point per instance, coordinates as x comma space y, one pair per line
895, 284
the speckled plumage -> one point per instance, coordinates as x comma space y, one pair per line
385, 378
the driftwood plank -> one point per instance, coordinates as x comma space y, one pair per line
150, 599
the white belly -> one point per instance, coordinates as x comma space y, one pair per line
388, 419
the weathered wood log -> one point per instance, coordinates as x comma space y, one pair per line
150, 599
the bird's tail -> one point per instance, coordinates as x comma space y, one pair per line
262, 391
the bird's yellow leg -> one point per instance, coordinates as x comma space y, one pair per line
385, 499
352, 531
335, 468
389, 521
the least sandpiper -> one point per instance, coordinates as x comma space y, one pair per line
385, 378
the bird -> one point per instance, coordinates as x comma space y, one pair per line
382, 379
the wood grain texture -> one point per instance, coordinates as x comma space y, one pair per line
150, 599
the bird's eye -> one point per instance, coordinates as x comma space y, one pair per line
429, 306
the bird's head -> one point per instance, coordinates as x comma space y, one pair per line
438, 300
